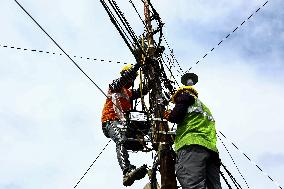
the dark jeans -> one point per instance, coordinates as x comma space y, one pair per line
198, 168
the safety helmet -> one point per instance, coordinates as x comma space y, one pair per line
189, 76
126, 68
184, 89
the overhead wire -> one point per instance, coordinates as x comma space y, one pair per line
233, 161
238, 186
169, 69
171, 63
143, 22
129, 29
74, 64
205, 55
171, 73
252, 162
173, 55
167, 44
60, 47
121, 31
225, 179
227, 36
92, 164
124, 21
126, 25
133, 5
60, 54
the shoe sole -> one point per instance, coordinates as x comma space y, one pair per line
137, 175
140, 173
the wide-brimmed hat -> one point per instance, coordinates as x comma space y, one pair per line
188, 76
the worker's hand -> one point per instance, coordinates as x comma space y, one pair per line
167, 114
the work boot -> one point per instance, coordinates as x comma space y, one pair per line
134, 174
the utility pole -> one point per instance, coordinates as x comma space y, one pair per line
163, 141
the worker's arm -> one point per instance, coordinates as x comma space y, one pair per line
117, 106
125, 79
136, 93
183, 101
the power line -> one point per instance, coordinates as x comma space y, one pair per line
258, 167
227, 36
226, 181
233, 161
171, 50
78, 68
92, 164
237, 185
63, 51
130, 1
59, 47
60, 54
173, 55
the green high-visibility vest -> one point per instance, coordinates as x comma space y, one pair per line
198, 127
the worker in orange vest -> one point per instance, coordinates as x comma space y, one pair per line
119, 101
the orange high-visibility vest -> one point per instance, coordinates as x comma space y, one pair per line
124, 104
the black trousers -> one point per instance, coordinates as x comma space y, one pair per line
198, 168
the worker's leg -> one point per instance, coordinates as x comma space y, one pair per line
213, 171
191, 167
119, 138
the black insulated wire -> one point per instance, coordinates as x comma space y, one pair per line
59, 47
92, 164
237, 185
233, 161
117, 26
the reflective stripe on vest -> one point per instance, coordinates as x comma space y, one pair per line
197, 108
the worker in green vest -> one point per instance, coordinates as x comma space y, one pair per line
197, 162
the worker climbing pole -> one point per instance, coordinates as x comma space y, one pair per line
148, 53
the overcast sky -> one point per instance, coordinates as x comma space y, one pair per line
50, 130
